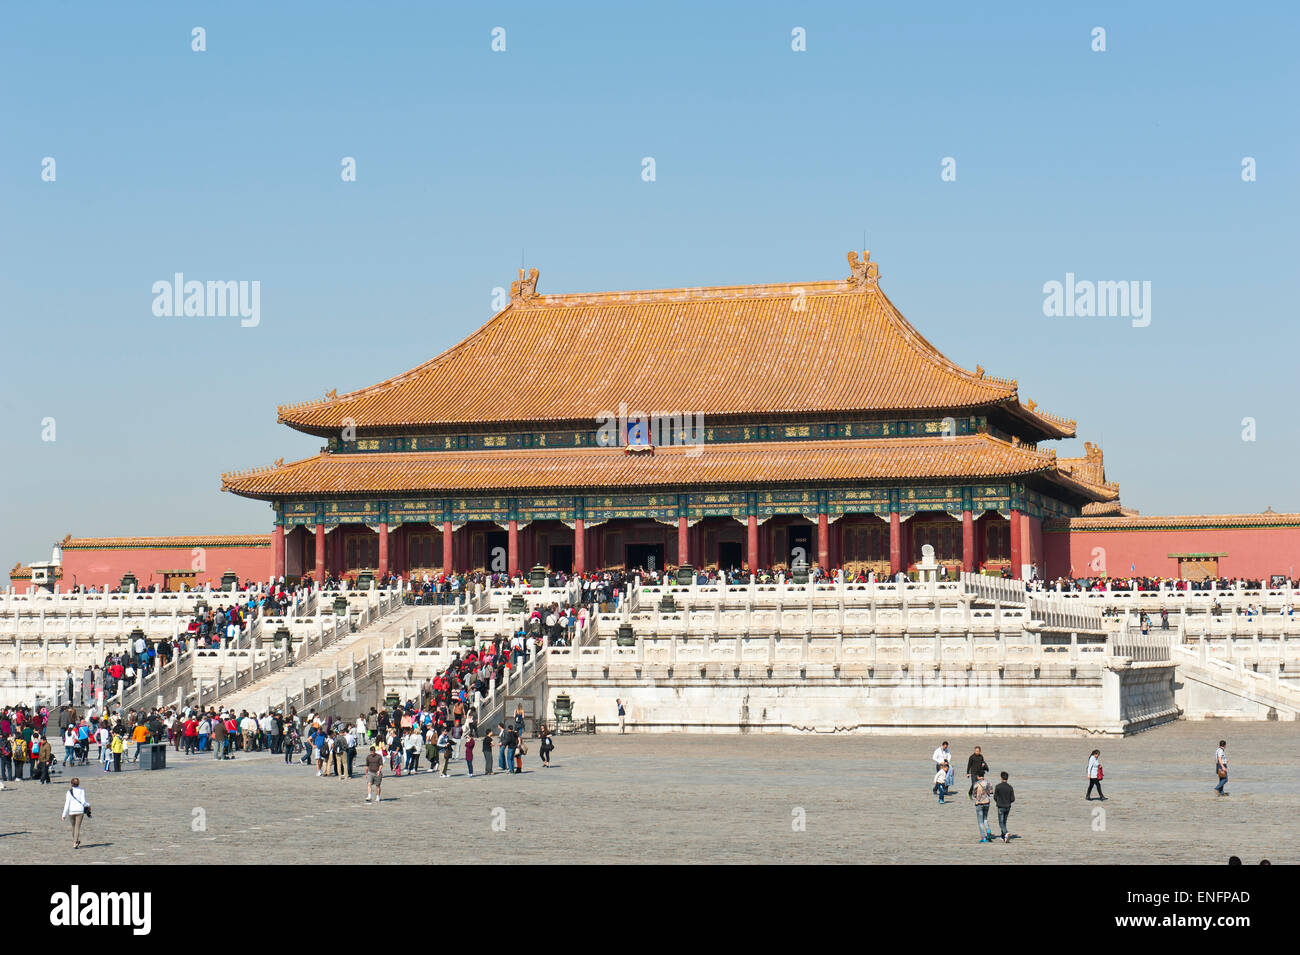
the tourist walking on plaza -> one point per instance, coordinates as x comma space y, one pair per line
983, 795
501, 747
941, 755
43, 761
975, 768
546, 748
469, 755
75, 808
1221, 767
374, 774
1095, 775
941, 781
487, 751
219, 739
444, 751
118, 746
341, 756
622, 716
1003, 797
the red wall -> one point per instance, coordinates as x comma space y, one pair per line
100, 567
1254, 552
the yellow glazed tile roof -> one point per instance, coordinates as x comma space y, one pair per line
813, 347
879, 459
1152, 522
209, 540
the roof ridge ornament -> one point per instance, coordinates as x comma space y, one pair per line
524, 288
332, 394
863, 274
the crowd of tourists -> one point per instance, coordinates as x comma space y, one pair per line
1142, 584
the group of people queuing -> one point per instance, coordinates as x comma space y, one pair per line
29, 737
984, 793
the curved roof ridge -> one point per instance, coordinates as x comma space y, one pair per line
685, 293
845, 349
407, 375
910, 332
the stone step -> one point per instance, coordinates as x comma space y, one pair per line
356, 646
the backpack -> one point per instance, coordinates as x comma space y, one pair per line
20, 749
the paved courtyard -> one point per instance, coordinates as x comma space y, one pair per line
749, 799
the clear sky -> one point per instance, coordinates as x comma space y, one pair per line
770, 164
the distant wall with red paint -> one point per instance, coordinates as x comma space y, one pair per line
102, 565
1252, 552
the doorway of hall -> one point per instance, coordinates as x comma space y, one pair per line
799, 545
645, 556
494, 558
562, 558
730, 555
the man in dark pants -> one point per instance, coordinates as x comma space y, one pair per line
1003, 797
974, 767
511, 744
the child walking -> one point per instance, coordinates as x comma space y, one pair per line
941, 782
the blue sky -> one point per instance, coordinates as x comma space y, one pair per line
770, 165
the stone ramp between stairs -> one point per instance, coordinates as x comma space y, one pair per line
270, 691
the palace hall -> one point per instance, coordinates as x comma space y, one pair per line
830, 431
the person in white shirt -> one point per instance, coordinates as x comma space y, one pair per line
102, 739
1221, 767
1095, 775
941, 755
75, 808
941, 782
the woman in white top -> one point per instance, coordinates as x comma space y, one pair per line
75, 808
1095, 775
102, 736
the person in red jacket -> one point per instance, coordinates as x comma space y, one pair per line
191, 732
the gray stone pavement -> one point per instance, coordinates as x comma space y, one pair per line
695, 798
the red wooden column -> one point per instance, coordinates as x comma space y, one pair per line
447, 561
579, 546
751, 543
1015, 544
895, 543
968, 542
383, 550
512, 555
277, 551
320, 554
823, 542
683, 541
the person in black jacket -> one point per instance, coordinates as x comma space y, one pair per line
974, 766
1003, 797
